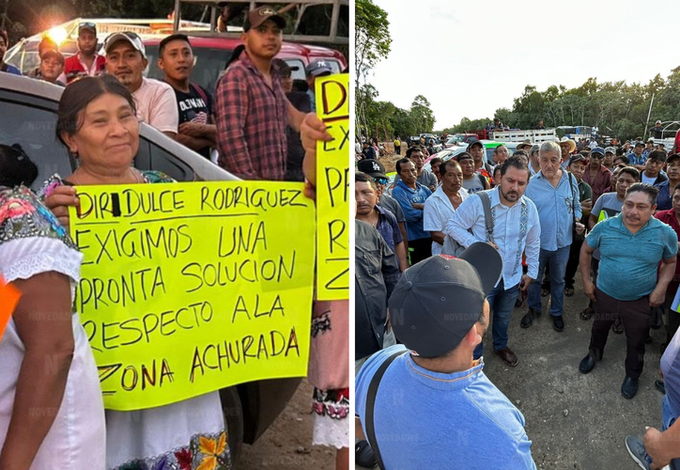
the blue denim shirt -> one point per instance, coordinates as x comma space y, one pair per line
664, 200
555, 209
405, 196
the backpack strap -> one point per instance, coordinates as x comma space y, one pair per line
573, 196
488, 217
370, 406
198, 89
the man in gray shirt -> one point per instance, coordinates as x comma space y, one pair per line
473, 182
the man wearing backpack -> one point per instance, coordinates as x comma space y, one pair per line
514, 228
197, 128
427, 403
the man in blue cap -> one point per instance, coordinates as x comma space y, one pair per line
318, 68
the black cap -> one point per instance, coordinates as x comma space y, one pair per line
672, 158
436, 301
372, 168
576, 158
475, 142
463, 156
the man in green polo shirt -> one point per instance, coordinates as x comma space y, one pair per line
631, 246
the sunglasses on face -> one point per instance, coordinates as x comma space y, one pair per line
380, 180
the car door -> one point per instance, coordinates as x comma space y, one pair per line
31, 121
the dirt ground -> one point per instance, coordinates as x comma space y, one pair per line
287, 444
575, 421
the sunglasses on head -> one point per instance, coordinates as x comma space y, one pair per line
87, 24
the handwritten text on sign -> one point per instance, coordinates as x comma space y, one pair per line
332, 106
191, 287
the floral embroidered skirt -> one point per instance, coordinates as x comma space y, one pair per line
329, 373
188, 435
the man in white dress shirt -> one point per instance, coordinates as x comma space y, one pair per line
516, 229
439, 207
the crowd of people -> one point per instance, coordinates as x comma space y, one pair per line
481, 239
252, 129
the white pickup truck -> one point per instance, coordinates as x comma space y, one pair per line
536, 136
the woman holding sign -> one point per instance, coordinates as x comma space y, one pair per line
97, 123
51, 409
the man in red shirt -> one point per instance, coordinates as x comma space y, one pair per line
672, 218
85, 63
597, 175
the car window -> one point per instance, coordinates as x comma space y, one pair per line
160, 159
298, 74
33, 128
209, 65
489, 155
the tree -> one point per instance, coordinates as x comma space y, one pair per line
371, 37
421, 114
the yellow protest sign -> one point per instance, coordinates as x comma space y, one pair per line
332, 189
187, 288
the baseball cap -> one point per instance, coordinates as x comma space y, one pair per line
463, 156
128, 36
673, 158
535, 148
610, 150
639, 143
87, 25
475, 142
599, 150
372, 168
285, 70
259, 15
436, 301
658, 121
576, 158
318, 68
651, 139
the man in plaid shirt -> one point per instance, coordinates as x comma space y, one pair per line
251, 108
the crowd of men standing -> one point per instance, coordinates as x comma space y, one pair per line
255, 109
547, 210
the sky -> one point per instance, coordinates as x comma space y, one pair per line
471, 58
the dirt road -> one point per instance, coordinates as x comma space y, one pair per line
575, 421
286, 445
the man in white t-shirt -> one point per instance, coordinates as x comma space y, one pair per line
156, 104
439, 207
653, 166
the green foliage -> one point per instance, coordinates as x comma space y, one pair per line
384, 120
371, 36
618, 109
